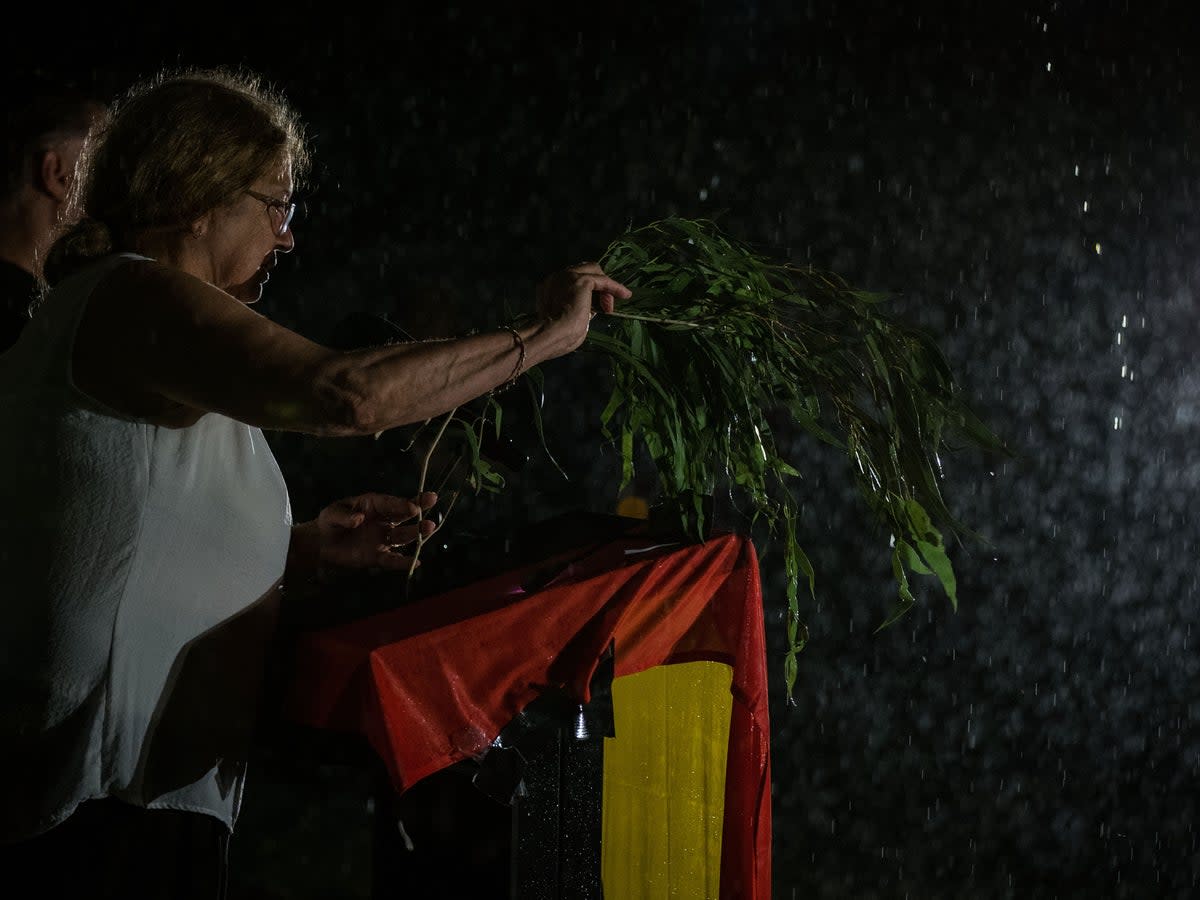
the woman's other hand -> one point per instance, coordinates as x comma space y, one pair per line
371, 530
568, 299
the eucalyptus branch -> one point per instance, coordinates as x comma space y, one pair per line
717, 336
717, 344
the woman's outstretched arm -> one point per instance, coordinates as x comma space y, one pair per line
154, 331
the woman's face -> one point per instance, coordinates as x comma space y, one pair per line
244, 237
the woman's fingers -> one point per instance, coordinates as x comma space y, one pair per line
601, 292
395, 510
342, 515
399, 535
602, 284
391, 555
394, 561
564, 288
570, 298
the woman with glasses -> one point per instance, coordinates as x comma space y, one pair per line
148, 535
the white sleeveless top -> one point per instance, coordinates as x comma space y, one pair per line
139, 573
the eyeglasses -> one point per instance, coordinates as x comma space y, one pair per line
281, 211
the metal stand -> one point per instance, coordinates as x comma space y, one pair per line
532, 804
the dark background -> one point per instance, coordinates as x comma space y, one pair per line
1020, 176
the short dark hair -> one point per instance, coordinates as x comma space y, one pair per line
39, 110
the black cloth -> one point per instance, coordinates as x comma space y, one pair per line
111, 849
17, 291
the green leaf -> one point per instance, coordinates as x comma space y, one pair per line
910, 558
906, 597
789, 673
937, 560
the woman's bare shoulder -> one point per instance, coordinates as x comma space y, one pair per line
136, 305
146, 284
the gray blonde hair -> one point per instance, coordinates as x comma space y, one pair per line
176, 146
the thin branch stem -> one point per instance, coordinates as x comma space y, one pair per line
450, 471
658, 321
423, 539
421, 489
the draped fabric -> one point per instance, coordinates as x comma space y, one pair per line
433, 682
664, 782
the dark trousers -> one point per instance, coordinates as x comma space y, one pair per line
110, 849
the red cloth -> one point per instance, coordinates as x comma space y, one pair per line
433, 682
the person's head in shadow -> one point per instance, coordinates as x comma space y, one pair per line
45, 123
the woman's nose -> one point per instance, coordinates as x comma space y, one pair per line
286, 242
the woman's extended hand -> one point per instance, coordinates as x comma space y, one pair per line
568, 299
369, 531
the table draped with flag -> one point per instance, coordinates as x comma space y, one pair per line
433, 682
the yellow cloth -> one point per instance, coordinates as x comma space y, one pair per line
664, 783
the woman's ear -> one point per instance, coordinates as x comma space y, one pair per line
199, 226
56, 171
